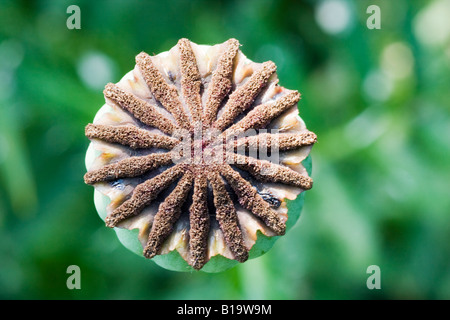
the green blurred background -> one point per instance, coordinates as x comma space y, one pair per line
377, 99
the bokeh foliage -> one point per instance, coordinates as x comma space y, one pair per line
377, 99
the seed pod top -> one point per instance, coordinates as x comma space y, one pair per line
199, 150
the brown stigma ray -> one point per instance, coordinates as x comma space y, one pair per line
242, 98
144, 194
261, 115
165, 93
267, 171
221, 81
168, 213
190, 80
250, 199
128, 168
227, 218
199, 221
282, 141
130, 136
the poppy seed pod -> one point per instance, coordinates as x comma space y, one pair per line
199, 158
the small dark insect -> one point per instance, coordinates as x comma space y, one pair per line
118, 184
269, 198
171, 77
